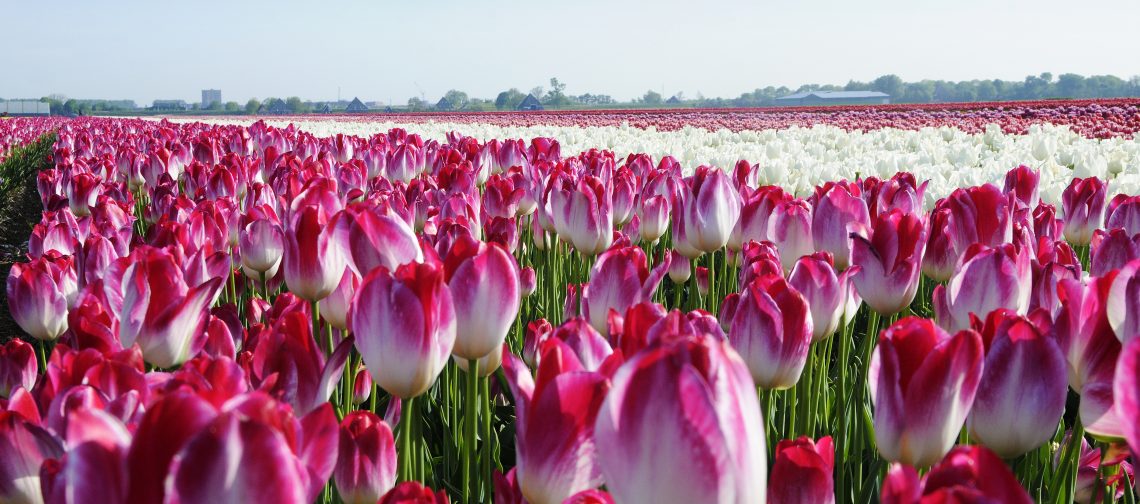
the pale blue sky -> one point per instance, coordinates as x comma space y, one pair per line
380, 50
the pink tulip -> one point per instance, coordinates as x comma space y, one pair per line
702, 281
484, 283
987, 279
834, 211
772, 331
966, 474
802, 472
1111, 250
537, 332
790, 229
361, 387
901, 192
288, 363
314, 263
755, 216
161, 313
1124, 213
366, 458
405, 326
1091, 348
922, 381
620, 278
528, 282
1083, 204
626, 187
580, 338
39, 294
653, 211
583, 214
825, 290
680, 268
372, 237
1022, 393
1126, 391
18, 367
1022, 182
970, 215
262, 244
889, 259
646, 443
1123, 303
556, 411
334, 308
710, 209
25, 446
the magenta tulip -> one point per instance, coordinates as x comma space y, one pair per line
1123, 303
583, 214
922, 381
801, 472
405, 326
39, 294
1124, 213
1022, 393
755, 216
1083, 204
1023, 183
1111, 250
366, 458
986, 280
790, 230
25, 446
18, 367
889, 260
262, 245
1091, 348
772, 331
966, 474
832, 215
620, 278
825, 290
710, 208
314, 263
484, 283
371, 238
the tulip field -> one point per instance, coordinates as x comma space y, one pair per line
898, 304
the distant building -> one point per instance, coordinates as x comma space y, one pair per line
324, 109
274, 107
443, 104
24, 108
210, 97
835, 98
673, 100
356, 107
529, 103
175, 105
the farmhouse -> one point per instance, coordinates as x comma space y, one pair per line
24, 108
356, 106
443, 104
834, 98
529, 103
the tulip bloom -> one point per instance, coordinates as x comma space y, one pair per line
371, 238
986, 280
802, 472
26, 446
826, 291
484, 283
414, 492
889, 259
646, 443
405, 327
790, 229
772, 331
314, 264
1123, 303
710, 208
966, 474
620, 278
1083, 204
366, 458
1085, 334
1112, 250
834, 211
1126, 391
18, 367
555, 447
922, 381
583, 214
1022, 182
262, 245
1022, 393
39, 294
160, 312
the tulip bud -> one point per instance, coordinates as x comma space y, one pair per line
18, 367
366, 458
790, 229
679, 268
361, 387
802, 472
710, 209
703, 280
833, 214
39, 294
528, 282
1083, 204
772, 330
889, 259
484, 283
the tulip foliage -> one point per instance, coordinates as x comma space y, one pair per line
231, 313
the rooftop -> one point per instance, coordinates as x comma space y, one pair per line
836, 95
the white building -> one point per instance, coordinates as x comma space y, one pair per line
211, 96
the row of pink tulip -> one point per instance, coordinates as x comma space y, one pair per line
269, 305
1091, 118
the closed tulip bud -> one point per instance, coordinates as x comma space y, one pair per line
620, 278
537, 332
361, 387
922, 382
653, 212
583, 214
680, 269
366, 458
1022, 393
889, 259
18, 367
405, 327
414, 492
825, 291
334, 309
528, 282
484, 283
772, 331
832, 216
262, 245
802, 472
703, 280
711, 207
986, 280
1083, 203
1022, 182
313, 261
40, 293
790, 229
644, 434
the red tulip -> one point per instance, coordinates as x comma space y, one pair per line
966, 474
314, 263
413, 492
802, 471
484, 283
366, 458
682, 424
160, 312
710, 207
39, 294
772, 331
405, 327
18, 367
987, 279
556, 412
1083, 204
1022, 393
922, 382
832, 215
889, 258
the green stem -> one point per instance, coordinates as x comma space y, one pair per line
406, 419
485, 399
470, 404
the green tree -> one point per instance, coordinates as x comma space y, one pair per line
295, 105
216, 105
1070, 85
890, 84
651, 97
252, 105
509, 99
415, 103
457, 98
232, 106
557, 94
